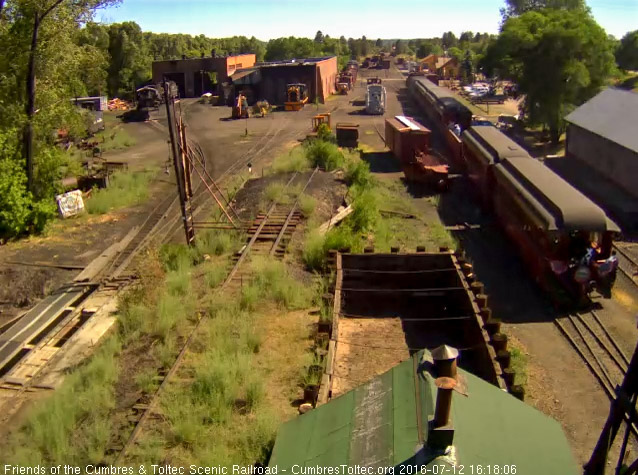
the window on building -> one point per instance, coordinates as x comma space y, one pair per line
239, 65
231, 67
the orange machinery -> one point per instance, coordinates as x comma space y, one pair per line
297, 95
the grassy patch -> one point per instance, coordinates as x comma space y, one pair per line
217, 242
307, 205
125, 189
72, 425
277, 193
272, 280
518, 363
114, 137
294, 161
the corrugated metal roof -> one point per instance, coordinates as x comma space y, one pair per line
408, 122
556, 202
612, 114
246, 76
376, 425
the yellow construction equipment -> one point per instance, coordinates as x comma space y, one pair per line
320, 119
297, 97
240, 109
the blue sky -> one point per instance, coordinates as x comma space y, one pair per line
267, 19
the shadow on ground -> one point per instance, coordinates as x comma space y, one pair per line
513, 295
381, 162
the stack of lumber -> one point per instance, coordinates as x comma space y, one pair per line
119, 105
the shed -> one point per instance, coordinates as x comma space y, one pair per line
384, 424
602, 133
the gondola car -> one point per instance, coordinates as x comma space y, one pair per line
552, 224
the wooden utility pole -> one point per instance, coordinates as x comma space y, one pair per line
179, 164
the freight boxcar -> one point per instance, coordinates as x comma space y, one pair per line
410, 144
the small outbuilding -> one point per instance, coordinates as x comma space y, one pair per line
602, 153
603, 134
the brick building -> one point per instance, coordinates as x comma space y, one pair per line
268, 81
192, 74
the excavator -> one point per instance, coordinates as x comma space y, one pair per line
297, 95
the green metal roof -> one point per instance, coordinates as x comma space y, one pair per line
376, 425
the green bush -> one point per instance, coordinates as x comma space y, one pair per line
19, 212
215, 275
358, 174
71, 426
365, 212
177, 256
324, 133
314, 254
273, 281
325, 155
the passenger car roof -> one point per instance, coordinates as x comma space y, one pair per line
555, 201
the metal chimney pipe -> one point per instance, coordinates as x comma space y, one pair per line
445, 361
443, 401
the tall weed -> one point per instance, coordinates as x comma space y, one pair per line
125, 189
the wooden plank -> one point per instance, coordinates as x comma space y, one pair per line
99, 263
330, 357
324, 390
340, 216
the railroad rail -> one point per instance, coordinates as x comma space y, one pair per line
626, 263
599, 350
591, 339
268, 235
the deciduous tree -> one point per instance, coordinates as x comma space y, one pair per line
627, 52
559, 59
518, 7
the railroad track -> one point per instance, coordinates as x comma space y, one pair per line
591, 339
269, 235
626, 263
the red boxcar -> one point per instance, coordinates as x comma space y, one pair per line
409, 141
